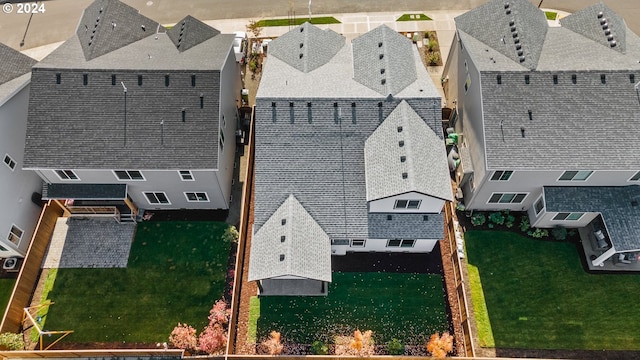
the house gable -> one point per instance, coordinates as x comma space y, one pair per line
600, 24
190, 32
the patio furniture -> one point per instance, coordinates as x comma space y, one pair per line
600, 239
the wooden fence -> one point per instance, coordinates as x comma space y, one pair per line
459, 282
242, 238
30, 272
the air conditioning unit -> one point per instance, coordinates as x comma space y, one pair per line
339, 251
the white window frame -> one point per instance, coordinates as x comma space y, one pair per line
12, 234
541, 198
66, 175
406, 206
186, 173
11, 164
501, 173
195, 193
358, 243
508, 193
576, 174
154, 193
568, 216
130, 178
402, 243
636, 176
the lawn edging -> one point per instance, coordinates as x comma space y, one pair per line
320, 20
483, 323
254, 315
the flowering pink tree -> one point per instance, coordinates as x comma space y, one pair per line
183, 336
219, 313
213, 338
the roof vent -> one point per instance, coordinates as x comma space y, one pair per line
515, 34
144, 28
281, 257
405, 175
401, 143
609, 37
605, 26
603, 21
513, 28
612, 43
508, 12
522, 59
516, 40
399, 129
600, 14
301, 54
284, 221
389, 217
522, 131
380, 44
506, 5
382, 71
301, 29
381, 56
403, 158
301, 45
520, 53
282, 238
518, 46
383, 81
511, 22
634, 202
607, 32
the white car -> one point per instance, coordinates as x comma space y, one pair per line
240, 46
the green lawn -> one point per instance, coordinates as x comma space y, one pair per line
538, 296
299, 21
409, 307
413, 17
176, 271
551, 15
6, 287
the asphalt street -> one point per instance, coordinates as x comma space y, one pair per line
60, 18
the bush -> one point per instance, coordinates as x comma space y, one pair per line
12, 341
319, 348
478, 219
440, 346
184, 337
395, 347
510, 221
433, 59
524, 224
491, 226
230, 234
538, 233
559, 233
432, 45
497, 218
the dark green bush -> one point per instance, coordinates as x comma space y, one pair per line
559, 233
538, 233
524, 224
510, 221
395, 347
478, 219
319, 348
497, 218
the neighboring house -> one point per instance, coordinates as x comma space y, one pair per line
548, 118
127, 114
350, 156
19, 189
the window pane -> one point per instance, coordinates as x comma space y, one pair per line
186, 175
496, 175
507, 198
136, 175
582, 175
357, 243
407, 243
560, 216
506, 175
151, 198
191, 197
16, 231
539, 206
413, 204
635, 177
202, 196
568, 175
401, 204
162, 198
495, 198
574, 216
122, 175
393, 243
519, 197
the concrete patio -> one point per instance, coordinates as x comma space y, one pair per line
591, 251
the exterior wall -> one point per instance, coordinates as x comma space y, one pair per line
428, 204
546, 220
380, 245
230, 86
17, 186
168, 181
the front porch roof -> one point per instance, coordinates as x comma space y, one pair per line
85, 191
619, 207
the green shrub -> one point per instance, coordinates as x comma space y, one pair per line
478, 219
432, 45
559, 233
538, 233
524, 224
434, 58
510, 221
230, 234
497, 218
395, 347
490, 225
12, 341
319, 348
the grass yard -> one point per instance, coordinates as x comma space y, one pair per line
413, 17
320, 20
538, 296
6, 287
409, 307
551, 15
175, 273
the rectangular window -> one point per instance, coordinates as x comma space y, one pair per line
158, 197
186, 175
555, 79
193, 80
632, 78
394, 243
85, 79
568, 216
129, 175
139, 80
9, 162
526, 79
405, 243
635, 177
58, 78
407, 204
499, 79
539, 205
413, 204
506, 198
357, 243
196, 196
66, 175
500, 175
15, 235
113, 79
166, 80
581, 175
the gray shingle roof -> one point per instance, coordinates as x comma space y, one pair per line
14, 64
514, 28
190, 32
290, 243
82, 126
107, 25
306, 47
600, 24
404, 134
380, 61
616, 204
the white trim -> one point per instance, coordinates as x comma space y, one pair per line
572, 179
364, 243
129, 175
543, 205
502, 171
413, 244
11, 233
144, 193
10, 161
568, 212
196, 194
526, 195
637, 173
190, 174
64, 171
406, 207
